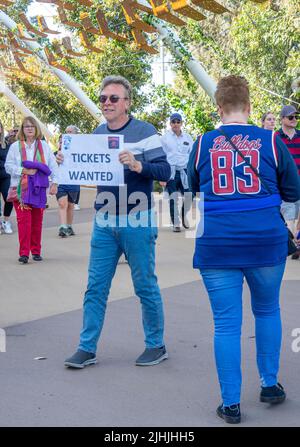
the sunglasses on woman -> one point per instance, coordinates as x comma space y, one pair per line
291, 117
175, 122
112, 98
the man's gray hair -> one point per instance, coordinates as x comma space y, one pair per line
73, 129
117, 80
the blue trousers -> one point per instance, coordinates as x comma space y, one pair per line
107, 244
225, 287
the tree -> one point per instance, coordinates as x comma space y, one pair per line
260, 42
266, 45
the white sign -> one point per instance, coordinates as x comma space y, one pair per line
91, 160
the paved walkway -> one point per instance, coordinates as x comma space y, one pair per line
41, 311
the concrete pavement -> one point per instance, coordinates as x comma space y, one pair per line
41, 311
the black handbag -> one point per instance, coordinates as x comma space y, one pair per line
292, 245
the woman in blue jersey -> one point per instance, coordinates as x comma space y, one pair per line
244, 236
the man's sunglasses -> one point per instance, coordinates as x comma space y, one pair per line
175, 121
291, 117
112, 98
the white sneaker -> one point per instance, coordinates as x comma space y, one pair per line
76, 207
6, 226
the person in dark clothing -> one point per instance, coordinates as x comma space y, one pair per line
290, 135
5, 224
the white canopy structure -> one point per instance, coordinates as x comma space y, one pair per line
69, 82
160, 14
5, 90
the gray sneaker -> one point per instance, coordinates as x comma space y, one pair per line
152, 356
70, 231
63, 232
81, 359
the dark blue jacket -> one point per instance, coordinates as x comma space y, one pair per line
3, 155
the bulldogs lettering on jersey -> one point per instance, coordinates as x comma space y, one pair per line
223, 172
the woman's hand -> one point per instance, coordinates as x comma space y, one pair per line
29, 171
53, 189
127, 158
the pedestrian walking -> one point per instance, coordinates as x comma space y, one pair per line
113, 234
177, 145
244, 173
30, 162
5, 224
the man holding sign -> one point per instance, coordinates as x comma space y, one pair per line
125, 223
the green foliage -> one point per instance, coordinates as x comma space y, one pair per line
186, 98
17, 7
8, 115
260, 42
161, 108
55, 104
116, 59
266, 44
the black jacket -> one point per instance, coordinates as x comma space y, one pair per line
3, 155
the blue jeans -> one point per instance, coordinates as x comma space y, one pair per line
225, 287
107, 245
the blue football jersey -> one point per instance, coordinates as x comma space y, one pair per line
224, 175
242, 222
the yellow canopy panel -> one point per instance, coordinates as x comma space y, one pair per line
183, 7
133, 19
162, 11
211, 5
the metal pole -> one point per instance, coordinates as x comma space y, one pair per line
69, 82
22, 108
162, 55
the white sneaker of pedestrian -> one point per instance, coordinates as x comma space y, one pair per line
6, 226
76, 207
